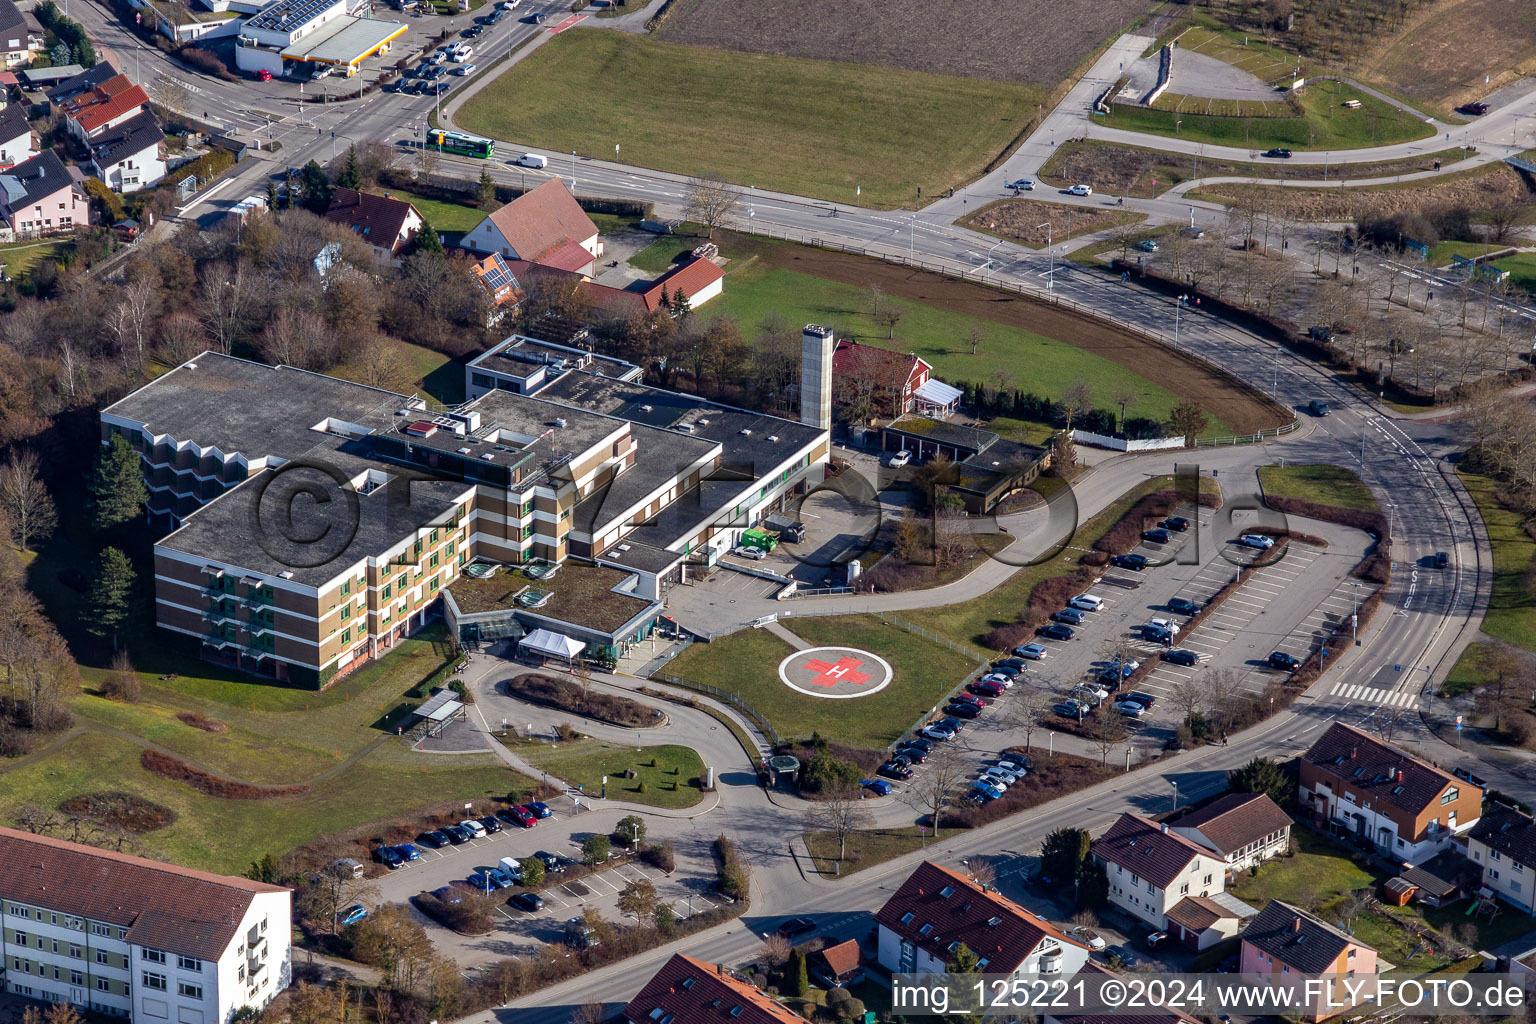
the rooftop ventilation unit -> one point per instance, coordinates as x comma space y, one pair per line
774, 438
463, 451
746, 431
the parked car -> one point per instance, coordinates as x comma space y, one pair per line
529, 901
525, 816
1087, 602
1090, 938
1135, 563
1261, 541
262, 75
963, 710
937, 731
1476, 109
879, 787
1022, 184
490, 823
540, 809
1281, 660
552, 862
796, 926
987, 688
1015, 665
353, 914
1153, 634
1001, 679
1181, 606
926, 746
1157, 535
1015, 763
1127, 957
1181, 656
1070, 708
1168, 624
387, 856
986, 789
1146, 245
1154, 939
509, 5
900, 459
448, 894
1130, 708
1068, 617
1144, 699
458, 834
1080, 190
408, 852
435, 838
484, 879
895, 768
475, 828
912, 755
1034, 652
967, 698
1056, 631
998, 771
1177, 524
994, 780
1278, 153
749, 552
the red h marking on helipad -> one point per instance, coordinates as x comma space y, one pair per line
840, 672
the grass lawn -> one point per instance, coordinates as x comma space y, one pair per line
436, 374
1325, 125
1510, 924
1511, 612
226, 835
1318, 871
866, 849
1468, 673
1522, 270
1441, 252
22, 257
1327, 485
968, 622
672, 782
442, 216
747, 663
808, 127
658, 257
1033, 362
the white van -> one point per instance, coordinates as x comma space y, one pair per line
532, 160
1087, 602
512, 867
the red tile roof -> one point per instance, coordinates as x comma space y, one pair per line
181, 910
1143, 847
1236, 819
106, 102
542, 220
843, 957
1197, 913
689, 991
1367, 764
936, 907
572, 256
692, 277
380, 220
497, 278
877, 365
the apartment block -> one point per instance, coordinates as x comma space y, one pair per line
315, 522
129, 937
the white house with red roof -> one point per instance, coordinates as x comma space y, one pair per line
545, 226
689, 991
936, 909
384, 222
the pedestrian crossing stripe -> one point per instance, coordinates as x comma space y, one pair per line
1375, 695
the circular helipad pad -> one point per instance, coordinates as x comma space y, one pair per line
838, 673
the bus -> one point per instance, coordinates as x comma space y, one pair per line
464, 145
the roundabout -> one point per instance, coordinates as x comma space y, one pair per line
835, 673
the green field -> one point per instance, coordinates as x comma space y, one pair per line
670, 773
1441, 252
658, 257
809, 127
747, 662
1034, 362
1327, 485
967, 622
23, 256
1511, 615
1325, 125
453, 217
226, 835
1468, 672
1522, 270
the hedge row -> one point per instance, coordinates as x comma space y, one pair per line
564, 695
213, 785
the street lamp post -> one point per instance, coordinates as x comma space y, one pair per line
987, 272
1354, 615
1050, 281
634, 837
1182, 299
573, 172
1391, 522
1175, 793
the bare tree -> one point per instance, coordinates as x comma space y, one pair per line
1029, 711
222, 302
590, 1012
943, 774
1075, 398
24, 499
975, 338
709, 202
171, 93
1123, 396
296, 337
841, 813
1108, 732
181, 338
983, 871
775, 948
1190, 697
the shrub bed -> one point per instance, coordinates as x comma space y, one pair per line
123, 811
1126, 534
564, 695
213, 785
470, 916
1052, 777
202, 722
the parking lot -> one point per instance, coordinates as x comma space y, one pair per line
561, 835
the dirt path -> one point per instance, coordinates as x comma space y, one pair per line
1244, 410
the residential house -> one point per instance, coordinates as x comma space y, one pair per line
689, 991
500, 284
1244, 829
876, 381
1095, 975
1445, 878
131, 155
17, 141
40, 198
1290, 943
18, 42
838, 966
70, 84
545, 226
102, 107
129, 937
1373, 792
1503, 846
936, 909
384, 222
1202, 921
699, 279
1151, 869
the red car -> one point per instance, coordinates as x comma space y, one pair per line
262, 75
520, 816
967, 698
987, 689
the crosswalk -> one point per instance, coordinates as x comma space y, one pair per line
1375, 695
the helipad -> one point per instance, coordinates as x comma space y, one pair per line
838, 673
